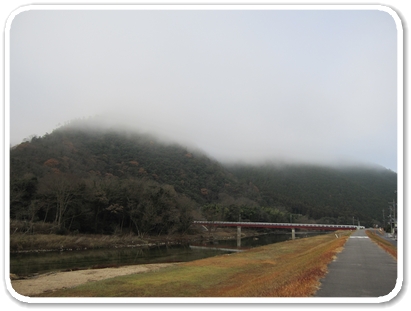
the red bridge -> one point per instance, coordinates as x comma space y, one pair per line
274, 225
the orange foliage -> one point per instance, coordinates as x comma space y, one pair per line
142, 171
70, 146
51, 162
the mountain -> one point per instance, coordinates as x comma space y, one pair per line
90, 178
327, 194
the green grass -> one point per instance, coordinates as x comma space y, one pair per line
286, 269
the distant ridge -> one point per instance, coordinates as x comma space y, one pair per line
121, 180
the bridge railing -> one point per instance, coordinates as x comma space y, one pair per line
275, 225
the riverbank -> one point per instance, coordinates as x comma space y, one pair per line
21, 242
50, 282
286, 269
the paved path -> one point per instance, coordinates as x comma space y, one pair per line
362, 269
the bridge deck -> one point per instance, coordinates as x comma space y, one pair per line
275, 225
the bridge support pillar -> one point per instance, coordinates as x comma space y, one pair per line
293, 233
238, 236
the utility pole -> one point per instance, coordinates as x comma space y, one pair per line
392, 219
393, 208
239, 231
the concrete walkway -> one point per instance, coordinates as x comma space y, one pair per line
362, 269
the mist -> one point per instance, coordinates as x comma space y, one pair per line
246, 86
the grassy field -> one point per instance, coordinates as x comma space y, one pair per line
286, 269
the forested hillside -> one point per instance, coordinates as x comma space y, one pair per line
328, 195
99, 180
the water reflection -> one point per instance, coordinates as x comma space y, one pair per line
31, 263
24, 264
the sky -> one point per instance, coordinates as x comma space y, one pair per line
315, 86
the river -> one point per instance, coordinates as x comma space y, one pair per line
25, 264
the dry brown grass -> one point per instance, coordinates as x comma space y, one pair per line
291, 271
375, 236
286, 269
28, 242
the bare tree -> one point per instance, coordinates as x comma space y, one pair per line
62, 189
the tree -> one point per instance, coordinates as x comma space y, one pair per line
22, 192
214, 212
62, 190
